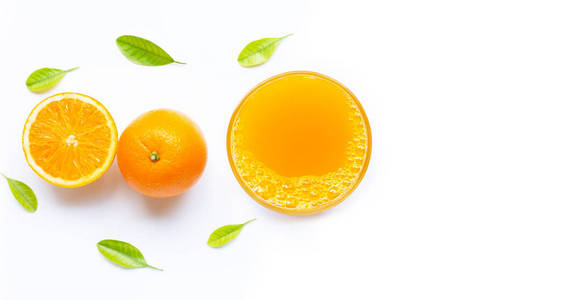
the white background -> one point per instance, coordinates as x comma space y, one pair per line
461, 200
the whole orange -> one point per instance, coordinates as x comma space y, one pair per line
162, 153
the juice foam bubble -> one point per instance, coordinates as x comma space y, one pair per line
309, 191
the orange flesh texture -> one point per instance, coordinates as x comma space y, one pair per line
70, 139
299, 141
181, 148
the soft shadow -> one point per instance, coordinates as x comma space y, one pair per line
95, 192
159, 207
281, 217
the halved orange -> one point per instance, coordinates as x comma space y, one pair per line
69, 139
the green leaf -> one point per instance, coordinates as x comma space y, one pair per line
123, 254
224, 234
143, 52
23, 193
45, 78
258, 52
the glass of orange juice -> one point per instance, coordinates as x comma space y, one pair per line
299, 143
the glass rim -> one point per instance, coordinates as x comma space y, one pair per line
327, 205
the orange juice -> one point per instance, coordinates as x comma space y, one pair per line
299, 142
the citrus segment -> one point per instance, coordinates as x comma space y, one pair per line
70, 139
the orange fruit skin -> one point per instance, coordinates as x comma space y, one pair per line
180, 145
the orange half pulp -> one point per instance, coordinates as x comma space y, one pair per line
69, 139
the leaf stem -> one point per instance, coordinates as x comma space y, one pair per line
178, 62
152, 267
70, 70
286, 36
249, 221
